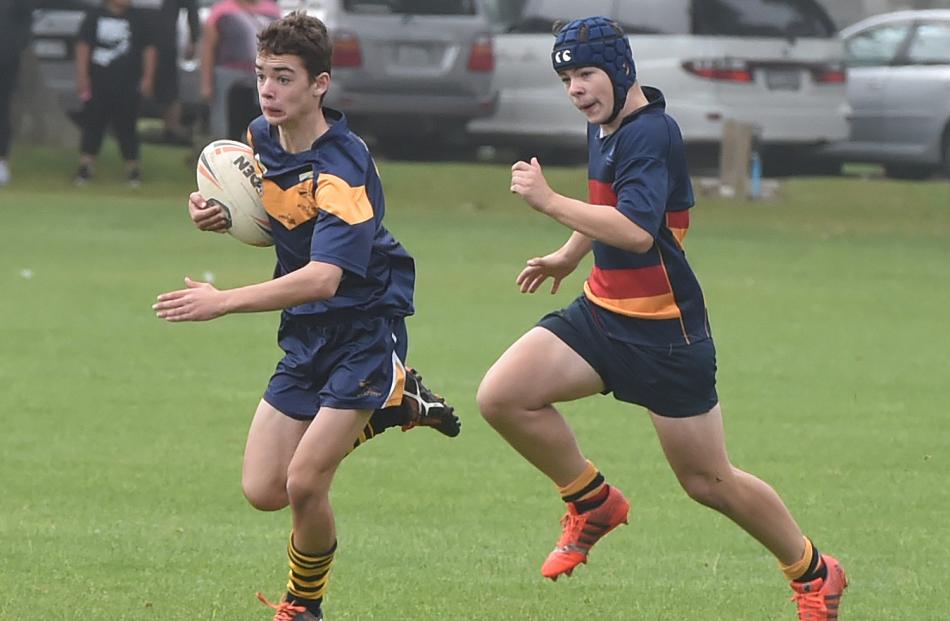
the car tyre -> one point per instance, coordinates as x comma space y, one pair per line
908, 172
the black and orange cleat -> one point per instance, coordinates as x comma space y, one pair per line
287, 611
819, 600
581, 531
427, 409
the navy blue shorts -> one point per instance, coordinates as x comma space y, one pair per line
355, 364
675, 381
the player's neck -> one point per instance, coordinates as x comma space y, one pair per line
636, 99
299, 135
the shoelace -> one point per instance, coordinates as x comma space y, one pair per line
285, 611
810, 605
572, 525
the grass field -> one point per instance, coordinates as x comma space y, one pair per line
122, 436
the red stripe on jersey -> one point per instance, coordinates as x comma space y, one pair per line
622, 284
654, 307
601, 193
678, 223
678, 219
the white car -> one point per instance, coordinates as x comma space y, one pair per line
775, 63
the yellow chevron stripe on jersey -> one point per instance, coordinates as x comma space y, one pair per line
336, 196
293, 206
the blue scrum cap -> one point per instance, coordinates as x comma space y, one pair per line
597, 42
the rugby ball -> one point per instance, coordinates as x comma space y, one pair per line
228, 175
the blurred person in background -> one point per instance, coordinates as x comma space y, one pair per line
115, 66
15, 21
228, 52
164, 30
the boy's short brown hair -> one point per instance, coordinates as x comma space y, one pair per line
301, 35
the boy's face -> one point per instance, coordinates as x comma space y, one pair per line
284, 88
591, 92
120, 5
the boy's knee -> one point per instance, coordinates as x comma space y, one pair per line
492, 400
308, 481
708, 490
265, 497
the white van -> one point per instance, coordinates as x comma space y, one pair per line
775, 63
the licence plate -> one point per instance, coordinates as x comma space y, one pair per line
783, 79
49, 48
413, 55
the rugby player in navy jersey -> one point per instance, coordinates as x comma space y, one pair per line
344, 286
639, 330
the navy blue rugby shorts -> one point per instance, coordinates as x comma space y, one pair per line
352, 364
675, 381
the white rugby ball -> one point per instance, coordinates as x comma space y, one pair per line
228, 175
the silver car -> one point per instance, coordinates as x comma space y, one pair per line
412, 73
899, 89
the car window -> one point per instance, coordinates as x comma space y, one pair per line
411, 7
539, 16
639, 17
654, 16
761, 18
875, 46
930, 45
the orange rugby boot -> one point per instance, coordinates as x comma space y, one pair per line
582, 530
819, 599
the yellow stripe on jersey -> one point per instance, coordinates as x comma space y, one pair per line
293, 206
336, 196
679, 235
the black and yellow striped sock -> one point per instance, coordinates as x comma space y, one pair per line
308, 577
380, 421
588, 491
809, 568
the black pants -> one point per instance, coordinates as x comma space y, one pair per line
118, 110
9, 67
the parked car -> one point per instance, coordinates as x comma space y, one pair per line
775, 63
407, 71
899, 88
410, 72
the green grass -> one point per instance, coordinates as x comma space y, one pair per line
122, 435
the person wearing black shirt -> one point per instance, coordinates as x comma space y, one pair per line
164, 27
115, 66
15, 20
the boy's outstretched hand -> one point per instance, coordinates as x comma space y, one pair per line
555, 266
201, 301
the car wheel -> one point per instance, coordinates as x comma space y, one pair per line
946, 154
907, 172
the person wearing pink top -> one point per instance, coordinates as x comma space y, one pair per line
228, 50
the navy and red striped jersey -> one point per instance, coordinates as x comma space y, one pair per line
652, 298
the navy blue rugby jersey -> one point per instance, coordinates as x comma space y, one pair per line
652, 298
326, 204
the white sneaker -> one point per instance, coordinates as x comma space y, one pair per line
4, 173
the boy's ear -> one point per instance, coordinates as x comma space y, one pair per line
321, 83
